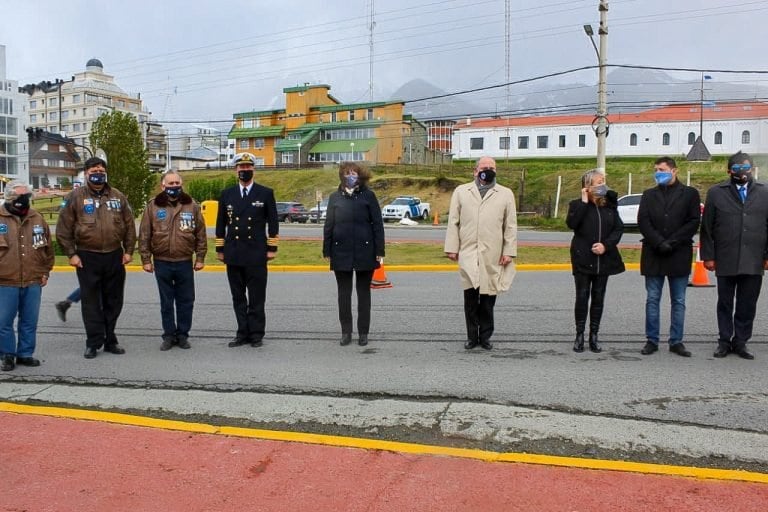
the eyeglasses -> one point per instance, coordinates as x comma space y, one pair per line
741, 168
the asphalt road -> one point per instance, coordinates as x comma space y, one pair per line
416, 358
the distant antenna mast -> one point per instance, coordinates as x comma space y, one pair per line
508, 65
371, 26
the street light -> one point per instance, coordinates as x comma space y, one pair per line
352, 147
299, 146
602, 103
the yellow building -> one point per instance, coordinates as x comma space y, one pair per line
314, 127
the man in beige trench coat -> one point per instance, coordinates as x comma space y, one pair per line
482, 237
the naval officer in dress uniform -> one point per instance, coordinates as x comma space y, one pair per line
246, 239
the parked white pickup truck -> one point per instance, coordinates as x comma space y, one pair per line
405, 207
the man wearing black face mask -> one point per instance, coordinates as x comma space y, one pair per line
246, 239
734, 244
172, 230
96, 231
26, 260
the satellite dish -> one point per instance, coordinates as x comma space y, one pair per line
100, 153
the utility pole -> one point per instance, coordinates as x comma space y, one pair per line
371, 26
602, 93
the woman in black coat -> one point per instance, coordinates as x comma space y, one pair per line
353, 241
597, 230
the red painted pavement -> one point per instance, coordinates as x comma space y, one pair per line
61, 465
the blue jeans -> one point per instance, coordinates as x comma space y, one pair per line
24, 302
653, 287
176, 283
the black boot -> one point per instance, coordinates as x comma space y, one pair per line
578, 345
594, 345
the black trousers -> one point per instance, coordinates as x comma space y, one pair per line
249, 310
589, 286
363, 287
735, 329
102, 284
478, 313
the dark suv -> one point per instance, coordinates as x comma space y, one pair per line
292, 212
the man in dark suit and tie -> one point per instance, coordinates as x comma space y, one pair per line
246, 239
734, 244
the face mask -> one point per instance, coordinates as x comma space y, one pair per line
245, 176
97, 178
487, 175
351, 180
741, 173
20, 205
662, 177
173, 192
599, 190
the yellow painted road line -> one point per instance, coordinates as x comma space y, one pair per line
394, 446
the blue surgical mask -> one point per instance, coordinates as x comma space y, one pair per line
173, 192
351, 180
97, 178
599, 190
662, 177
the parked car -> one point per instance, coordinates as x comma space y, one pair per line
292, 212
627, 207
313, 216
405, 207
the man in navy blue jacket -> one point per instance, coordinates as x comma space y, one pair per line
246, 239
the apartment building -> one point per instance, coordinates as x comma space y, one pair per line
316, 128
14, 163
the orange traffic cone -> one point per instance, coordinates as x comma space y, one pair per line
700, 276
436, 221
380, 278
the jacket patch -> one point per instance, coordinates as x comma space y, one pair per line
186, 221
89, 206
38, 237
162, 214
3, 229
114, 205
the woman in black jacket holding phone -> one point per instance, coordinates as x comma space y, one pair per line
597, 230
353, 241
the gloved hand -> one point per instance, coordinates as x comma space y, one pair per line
666, 246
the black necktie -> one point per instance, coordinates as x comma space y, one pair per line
245, 192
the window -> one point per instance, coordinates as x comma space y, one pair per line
120, 103
718, 137
76, 98
243, 143
370, 114
542, 142
287, 157
476, 143
503, 142
52, 102
561, 141
665, 139
258, 162
85, 112
32, 104
64, 115
633, 139
76, 127
333, 120
351, 115
582, 141
745, 137
691, 138
258, 143
247, 123
52, 116
32, 118
522, 142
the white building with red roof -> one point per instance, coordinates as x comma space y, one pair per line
670, 130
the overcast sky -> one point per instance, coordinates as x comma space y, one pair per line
207, 60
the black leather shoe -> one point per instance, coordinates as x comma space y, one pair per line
90, 352
594, 344
237, 342
362, 340
6, 364
486, 344
650, 348
114, 349
168, 342
679, 349
257, 343
742, 353
721, 351
469, 345
27, 361
346, 339
578, 344
61, 309
183, 342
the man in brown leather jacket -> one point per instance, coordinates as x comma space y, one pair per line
26, 259
172, 230
96, 231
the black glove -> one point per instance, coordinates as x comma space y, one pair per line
666, 246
